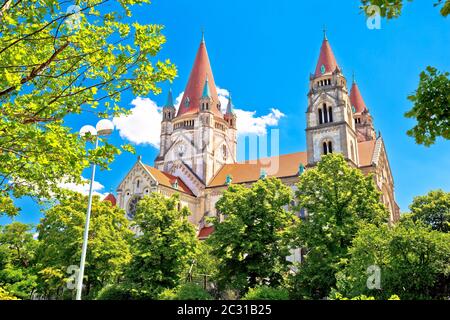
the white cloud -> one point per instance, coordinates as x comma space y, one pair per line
143, 125
97, 187
248, 123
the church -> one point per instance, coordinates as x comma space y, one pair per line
198, 148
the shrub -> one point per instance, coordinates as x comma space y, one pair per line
188, 291
114, 292
267, 293
4, 295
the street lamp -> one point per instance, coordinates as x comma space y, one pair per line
103, 128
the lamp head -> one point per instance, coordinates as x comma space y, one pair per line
104, 127
85, 130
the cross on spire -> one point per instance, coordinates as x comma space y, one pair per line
325, 32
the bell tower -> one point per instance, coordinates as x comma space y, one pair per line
330, 126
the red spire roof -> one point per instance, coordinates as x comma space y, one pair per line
327, 62
110, 197
356, 99
195, 87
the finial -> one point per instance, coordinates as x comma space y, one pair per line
203, 35
353, 77
139, 158
325, 32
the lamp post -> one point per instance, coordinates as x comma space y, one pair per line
103, 128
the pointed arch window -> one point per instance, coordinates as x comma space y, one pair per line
325, 113
320, 116
330, 114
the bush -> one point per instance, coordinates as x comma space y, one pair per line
114, 292
267, 293
4, 295
339, 296
168, 294
188, 291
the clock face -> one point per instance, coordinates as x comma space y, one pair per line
323, 69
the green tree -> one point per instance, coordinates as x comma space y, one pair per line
433, 209
17, 258
164, 248
431, 107
61, 236
337, 199
392, 9
251, 244
414, 262
58, 60
431, 100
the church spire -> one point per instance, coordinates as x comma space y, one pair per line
230, 107
356, 98
327, 62
190, 103
169, 103
206, 91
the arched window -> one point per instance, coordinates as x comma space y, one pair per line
138, 182
330, 147
320, 116
330, 114
325, 113
325, 148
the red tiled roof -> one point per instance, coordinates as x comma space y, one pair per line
111, 198
287, 166
365, 151
196, 83
168, 180
356, 99
205, 232
282, 166
326, 58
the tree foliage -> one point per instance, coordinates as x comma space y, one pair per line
433, 209
392, 9
17, 258
337, 199
267, 293
58, 59
251, 244
414, 262
431, 107
164, 248
61, 236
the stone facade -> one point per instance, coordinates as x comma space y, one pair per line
198, 149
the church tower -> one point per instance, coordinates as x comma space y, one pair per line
330, 124
199, 138
363, 120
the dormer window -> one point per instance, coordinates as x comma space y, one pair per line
187, 102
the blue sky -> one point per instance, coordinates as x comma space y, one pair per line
263, 52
